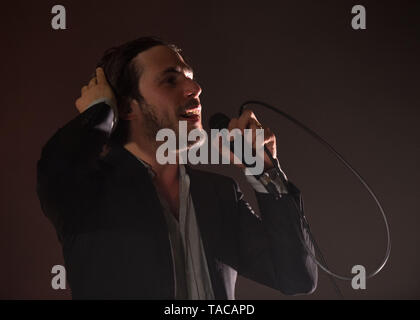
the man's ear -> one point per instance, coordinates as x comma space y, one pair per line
131, 112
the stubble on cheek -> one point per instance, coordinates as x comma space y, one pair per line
152, 123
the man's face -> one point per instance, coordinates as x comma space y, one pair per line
169, 91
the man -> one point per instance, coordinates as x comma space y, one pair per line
133, 228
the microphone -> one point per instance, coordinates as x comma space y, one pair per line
221, 121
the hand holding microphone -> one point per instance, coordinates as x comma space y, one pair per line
247, 120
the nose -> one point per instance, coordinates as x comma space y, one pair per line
192, 89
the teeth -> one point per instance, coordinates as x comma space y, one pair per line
192, 112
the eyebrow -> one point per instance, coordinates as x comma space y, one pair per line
177, 69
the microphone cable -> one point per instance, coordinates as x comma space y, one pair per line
323, 264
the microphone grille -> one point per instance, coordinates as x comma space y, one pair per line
219, 121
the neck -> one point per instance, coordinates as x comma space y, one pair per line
146, 151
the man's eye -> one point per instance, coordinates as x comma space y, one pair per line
171, 80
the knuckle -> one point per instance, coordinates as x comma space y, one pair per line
249, 113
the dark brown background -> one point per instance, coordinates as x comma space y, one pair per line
357, 89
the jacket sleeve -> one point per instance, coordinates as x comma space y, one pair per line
66, 160
273, 248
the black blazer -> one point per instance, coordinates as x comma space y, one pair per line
114, 236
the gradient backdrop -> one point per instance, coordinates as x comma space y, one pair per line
357, 89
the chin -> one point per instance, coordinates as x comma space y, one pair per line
195, 126
199, 140
195, 144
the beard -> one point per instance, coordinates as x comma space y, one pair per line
152, 124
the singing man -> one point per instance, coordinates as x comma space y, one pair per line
131, 228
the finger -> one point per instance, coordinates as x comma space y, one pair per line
270, 141
227, 154
245, 119
100, 75
233, 124
84, 88
252, 126
92, 82
269, 136
78, 104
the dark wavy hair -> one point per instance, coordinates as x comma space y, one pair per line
123, 77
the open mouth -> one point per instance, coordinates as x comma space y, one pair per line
193, 114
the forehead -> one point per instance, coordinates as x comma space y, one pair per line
156, 60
